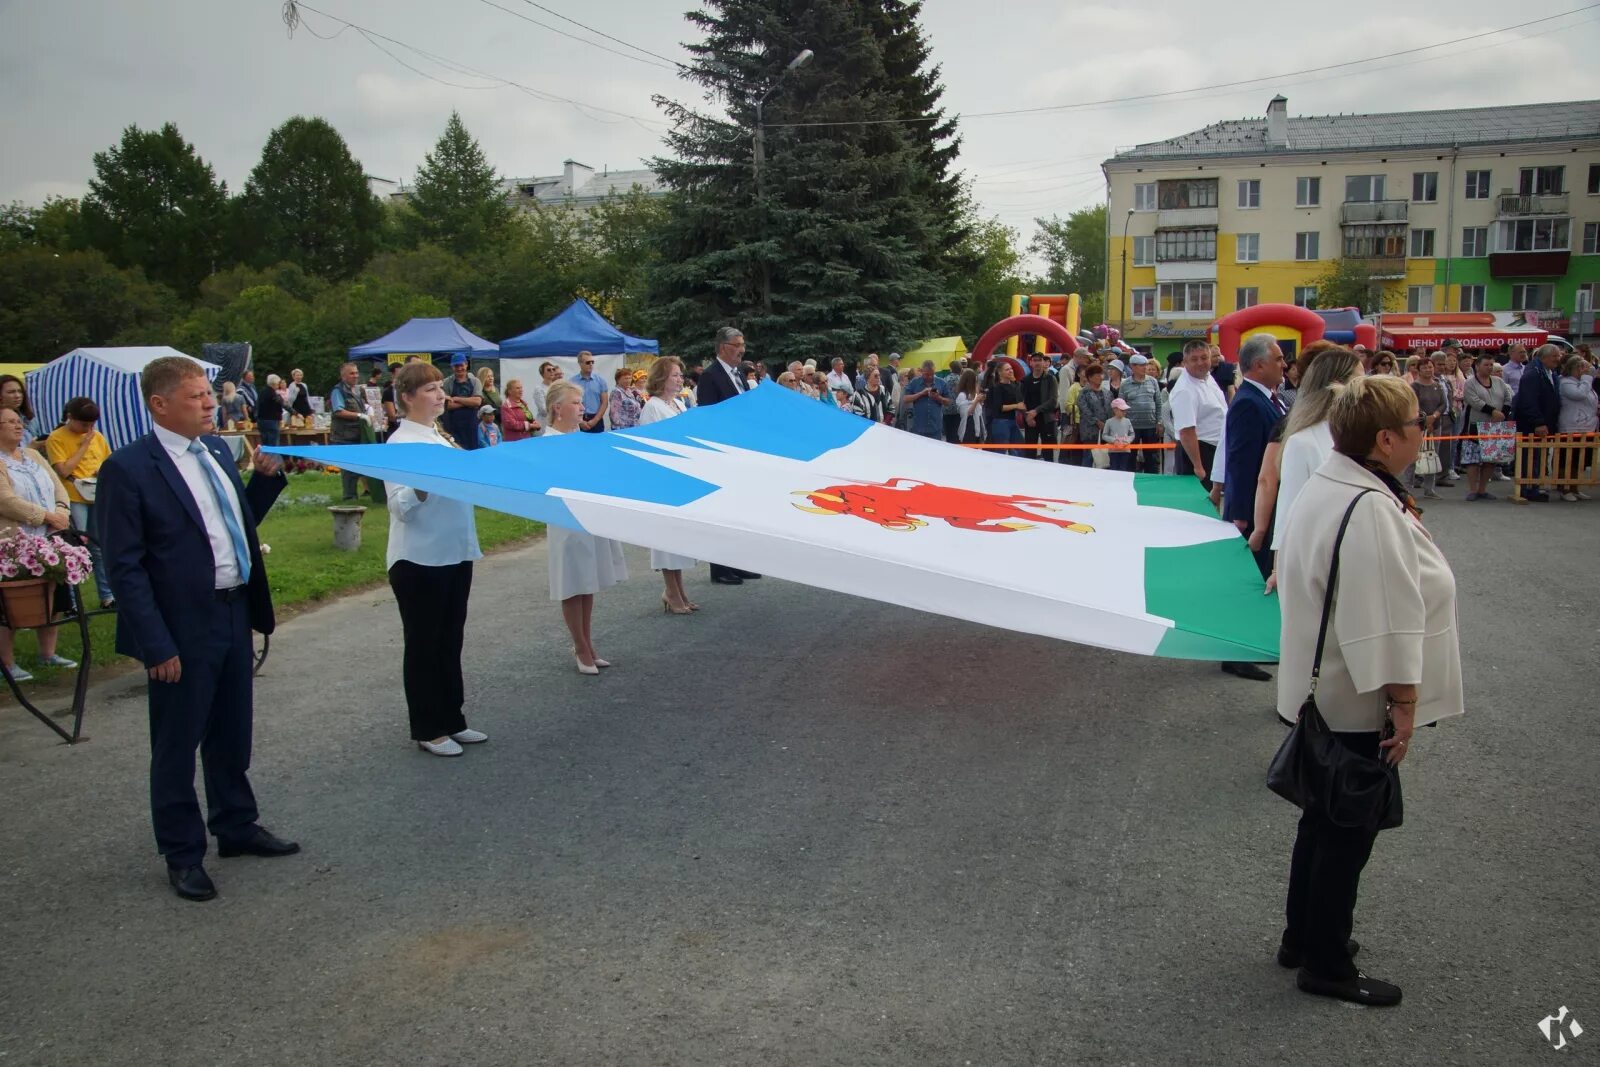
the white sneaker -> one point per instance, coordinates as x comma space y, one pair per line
1581, 495
1571, 498
470, 737
447, 747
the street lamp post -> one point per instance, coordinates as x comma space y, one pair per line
1122, 301
760, 157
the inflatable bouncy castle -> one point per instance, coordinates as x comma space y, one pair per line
1062, 309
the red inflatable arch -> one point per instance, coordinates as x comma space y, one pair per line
1231, 327
1016, 326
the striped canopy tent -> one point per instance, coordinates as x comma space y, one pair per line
109, 377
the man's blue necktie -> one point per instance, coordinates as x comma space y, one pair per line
241, 550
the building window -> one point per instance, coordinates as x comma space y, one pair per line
1543, 181
1199, 243
1419, 298
1379, 241
1188, 192
1477, 185
1144, 196
1247, 297
1249, 248
1472, 297
1306, 245
1583, 298
1144, 303
1594, 179
1307, 192
1144, 251
1179, 298
1475, 242
1305, 296
1534, 235
1250, 193
1591, 238
1425, 186
1540, 296
1363, 188
1421, 244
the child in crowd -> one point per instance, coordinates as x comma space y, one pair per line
488, 432
1119, 434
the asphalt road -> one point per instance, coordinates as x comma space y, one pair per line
800, 828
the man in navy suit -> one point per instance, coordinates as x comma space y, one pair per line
721, 380
1537, 408
179, 533
1252, 417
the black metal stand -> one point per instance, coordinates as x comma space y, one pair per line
80, 688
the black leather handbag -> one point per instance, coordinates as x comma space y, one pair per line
1316, 773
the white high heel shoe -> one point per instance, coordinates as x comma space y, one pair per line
584, 668
598, 662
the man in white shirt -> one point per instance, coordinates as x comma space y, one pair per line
721, 380
838, 379
1198, 411
179, 535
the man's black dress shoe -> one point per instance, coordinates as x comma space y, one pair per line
1357, 990
1247, 670
191, 883
263, 844
727, 579
748, 576
1292, 958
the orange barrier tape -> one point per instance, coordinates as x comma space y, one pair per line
1169, 445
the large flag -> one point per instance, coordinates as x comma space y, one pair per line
774, 482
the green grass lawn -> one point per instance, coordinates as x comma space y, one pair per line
302, 566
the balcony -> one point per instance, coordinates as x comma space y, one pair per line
1365, 211
1183, 218
1528, 264
1513, 205
1381, 267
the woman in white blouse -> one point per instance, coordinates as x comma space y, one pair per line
1392, 661
581, 564
549, 374
33, 500
1307, 443
662, 388
432, 543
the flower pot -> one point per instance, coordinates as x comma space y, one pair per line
28, 602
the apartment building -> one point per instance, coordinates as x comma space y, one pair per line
1478, 209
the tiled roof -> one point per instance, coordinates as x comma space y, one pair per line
1400, 129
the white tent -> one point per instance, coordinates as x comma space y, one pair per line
109, 377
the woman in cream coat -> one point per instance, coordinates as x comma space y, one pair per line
1392, 654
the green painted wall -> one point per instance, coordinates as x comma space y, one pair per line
1581, 270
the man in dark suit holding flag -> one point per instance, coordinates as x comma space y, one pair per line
1252, 417
719, 381
179, 535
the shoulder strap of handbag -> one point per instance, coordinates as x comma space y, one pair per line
1333, 584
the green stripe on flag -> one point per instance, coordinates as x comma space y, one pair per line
1211, 591
1172, 491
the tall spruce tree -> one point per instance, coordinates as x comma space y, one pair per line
154, 203
457, 200
841, 224
307, 202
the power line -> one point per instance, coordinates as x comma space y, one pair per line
1086, 104
292, 18
574, 37
607, 36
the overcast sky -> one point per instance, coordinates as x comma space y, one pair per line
76, 72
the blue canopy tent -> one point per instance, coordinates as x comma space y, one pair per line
434, 337
580, 328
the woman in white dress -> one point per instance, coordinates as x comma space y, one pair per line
662, 388
581, 564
